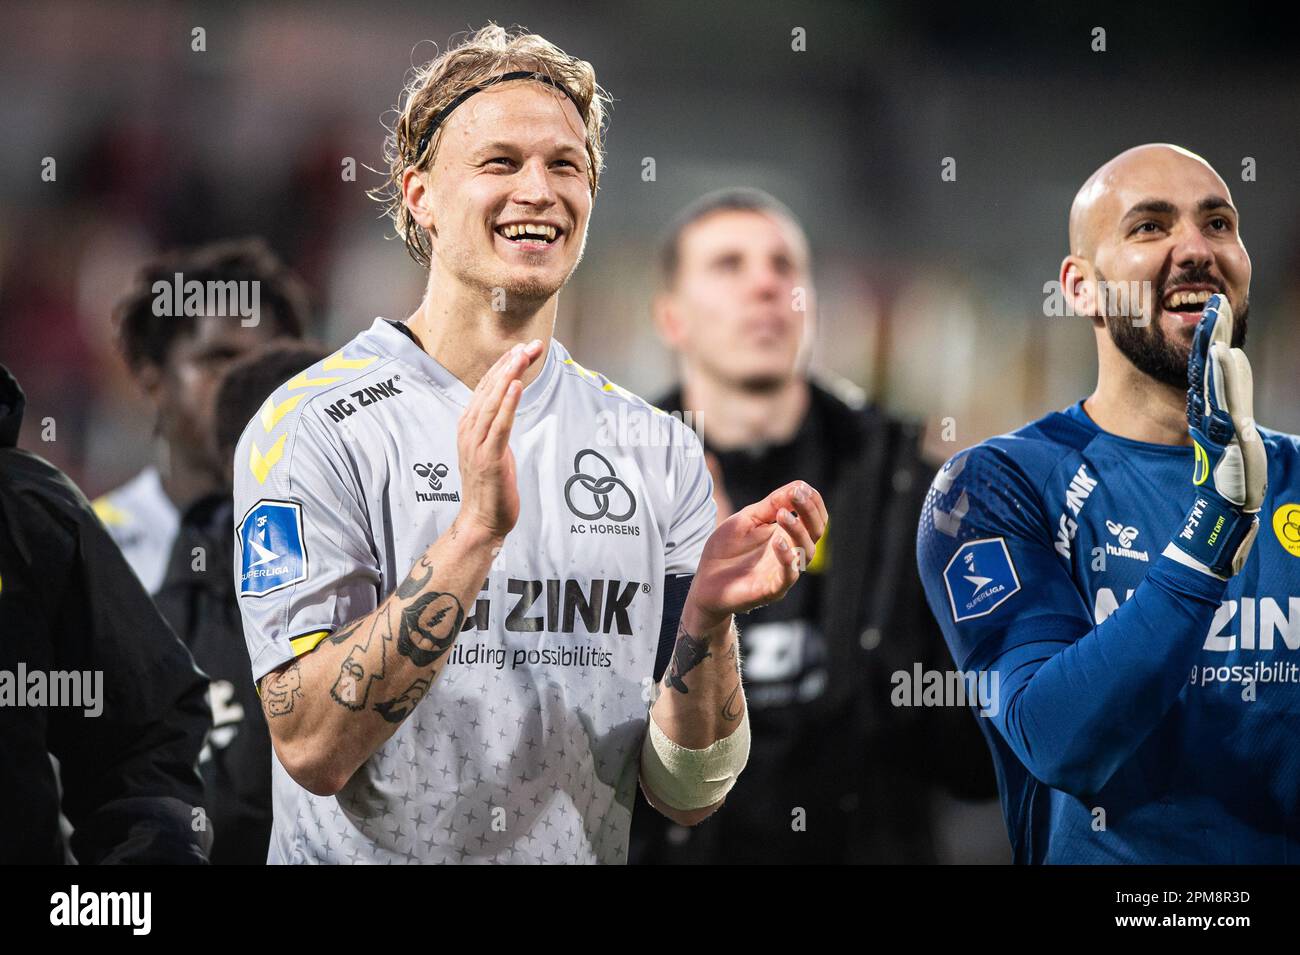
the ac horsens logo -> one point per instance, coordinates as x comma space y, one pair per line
602, 495
1286, 525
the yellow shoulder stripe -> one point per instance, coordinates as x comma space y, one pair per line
336, 361
272, 413
301, 380
260, 464
307, 642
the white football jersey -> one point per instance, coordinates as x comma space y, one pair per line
526, 747
143, 521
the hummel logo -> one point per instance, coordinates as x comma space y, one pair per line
1126, 535
434, 474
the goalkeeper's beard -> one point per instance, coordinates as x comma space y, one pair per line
1152, 352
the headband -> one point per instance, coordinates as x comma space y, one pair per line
491, 81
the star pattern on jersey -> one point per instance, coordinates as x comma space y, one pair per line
506, 763
491, 768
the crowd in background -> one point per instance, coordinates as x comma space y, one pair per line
931, 290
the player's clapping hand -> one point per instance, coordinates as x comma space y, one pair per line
490, 492
1230, 475
756, 555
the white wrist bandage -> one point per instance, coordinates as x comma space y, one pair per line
693, 778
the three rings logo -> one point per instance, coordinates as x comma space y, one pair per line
599, 495
1286, 525
434, 473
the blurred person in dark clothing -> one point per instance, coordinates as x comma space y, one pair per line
168, 519
74, 616
198, 600
836, 773
177, 359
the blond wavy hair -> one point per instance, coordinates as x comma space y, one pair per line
489, 52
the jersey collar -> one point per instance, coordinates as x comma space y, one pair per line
1077, 413
397, 343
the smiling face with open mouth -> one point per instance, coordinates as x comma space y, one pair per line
510, 193
1166, 236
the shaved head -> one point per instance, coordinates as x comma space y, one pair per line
1098, 201
1153, 233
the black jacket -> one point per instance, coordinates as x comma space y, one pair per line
69, 602
884, 761
197, 597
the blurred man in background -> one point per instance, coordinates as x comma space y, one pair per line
177, 359
76, 621
199, 602
836, 774
172, 520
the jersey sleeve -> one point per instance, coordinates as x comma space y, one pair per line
690, 492
305, 563
1072, 699
991, 575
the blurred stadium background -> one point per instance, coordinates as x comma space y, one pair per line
931, 292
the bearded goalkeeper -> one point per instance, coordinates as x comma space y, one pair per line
1129, 568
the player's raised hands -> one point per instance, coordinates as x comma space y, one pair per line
490, 491
756, 555
1230, 475
1221, 411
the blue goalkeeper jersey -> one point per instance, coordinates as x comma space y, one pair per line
1138, 710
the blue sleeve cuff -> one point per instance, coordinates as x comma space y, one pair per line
1186, 582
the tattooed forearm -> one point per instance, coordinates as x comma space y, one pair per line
280, 690
688, 653
352, 682
426, 623
733, 707
414, 582
429, 626
352, 687
397, 710
342, 635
